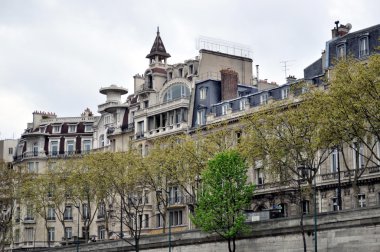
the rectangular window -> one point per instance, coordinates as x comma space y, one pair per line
363, 47
54, 148
101, 232
334, 203
358, 155
88, 128
305, 206
29, 234
146, 220
191, 69
35, 149
341, 51
174, 195
158, 220
170, 75
224, 109
334, 161
69, 232
33, 167
29, 213
242, 104
42, 129
259, 176
51, 213
56, 128
361, 200
263, 99
17, 235
72, 129
10, 151
51, 234
85, 213
140, 129
175, 218
70, 147
86, 146
180, 72
285, 93
101, 210
201, 117
203, 93
68, 214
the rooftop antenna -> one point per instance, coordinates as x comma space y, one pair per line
285, 65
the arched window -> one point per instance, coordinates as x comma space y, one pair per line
176, 91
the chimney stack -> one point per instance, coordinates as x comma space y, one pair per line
341, 30
229, 82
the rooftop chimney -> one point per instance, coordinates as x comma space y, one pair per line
341, 30
229, 81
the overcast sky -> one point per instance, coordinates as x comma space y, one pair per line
56, 54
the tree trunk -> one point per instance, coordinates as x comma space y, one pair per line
231, 244
137, 244
302, 227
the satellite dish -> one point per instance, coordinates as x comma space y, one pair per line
349, 26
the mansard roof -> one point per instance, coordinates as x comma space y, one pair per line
158, 48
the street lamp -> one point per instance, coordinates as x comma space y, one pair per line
77, 242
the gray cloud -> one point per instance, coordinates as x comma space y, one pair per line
55, 54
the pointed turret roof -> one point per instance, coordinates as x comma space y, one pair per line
158, 48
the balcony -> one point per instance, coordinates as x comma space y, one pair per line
106, 105
182, 102
167, 129
29, 220
31, 155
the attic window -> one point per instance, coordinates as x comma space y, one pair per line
191, 69
180, 72
341, 51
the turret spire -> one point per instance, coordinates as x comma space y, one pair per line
158, 52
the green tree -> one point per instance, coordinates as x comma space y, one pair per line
224, 197
289, 138
354, 114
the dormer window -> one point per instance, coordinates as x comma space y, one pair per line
363, 47
180, 72
72, 128
170, 75
203, 93
191, 69
88, 128
224, 109
341, 51
263, 99
285, 93
56, 129
242, 104
42, 129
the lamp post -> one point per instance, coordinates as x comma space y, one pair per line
315, 213
77, 242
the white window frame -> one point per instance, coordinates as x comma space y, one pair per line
56, 129
360, 155
54, 143
88, 128
285, 92
362, 200
334, 160
35, 149
264, 98
72, 128
203, 93
29, 234
68, 143
51, 234
201, 117
51, 213
242, 104
68, 213
341, 51
363, 51
86, 142
224, 109
69, 232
